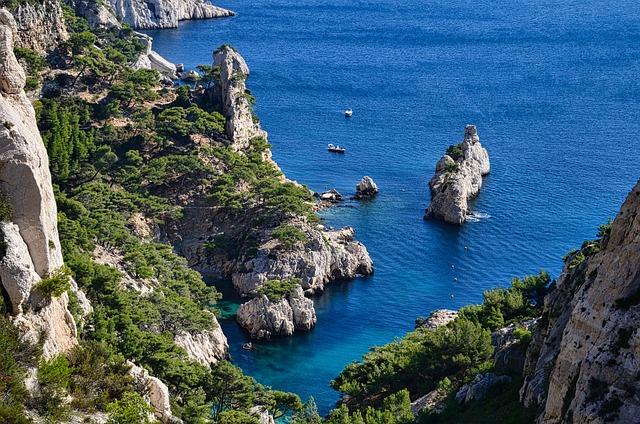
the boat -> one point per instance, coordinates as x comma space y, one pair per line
348, 113
336, 149
247, 346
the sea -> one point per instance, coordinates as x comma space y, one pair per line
553, 87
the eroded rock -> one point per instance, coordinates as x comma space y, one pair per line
207, 346
458, 180
164, 13
366, 188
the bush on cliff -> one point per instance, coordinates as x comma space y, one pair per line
289, 236
55, 283
277, 289
455, 151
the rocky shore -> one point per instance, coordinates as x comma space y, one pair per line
164, 13
458, 178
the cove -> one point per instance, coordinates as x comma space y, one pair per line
551, 85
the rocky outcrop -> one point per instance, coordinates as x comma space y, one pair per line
438, 318
264, 318
510, 352
149, 59
582, 364
230, 94
479, 387
157, 394
432, 402
164, 13
366, 188
458, 179
95, 12
31, 248
206, 347
262, 414
40, 25
324, 257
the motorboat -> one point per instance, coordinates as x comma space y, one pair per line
247, 346
336, 149
348, 113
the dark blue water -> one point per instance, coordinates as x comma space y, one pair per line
552, 86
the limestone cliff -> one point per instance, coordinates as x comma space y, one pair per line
164, 13
40, 25
30, 236
582, 365
458, 179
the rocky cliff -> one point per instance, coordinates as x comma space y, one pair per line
458, 178
582, 365
31, 248
40, 25
323, 256
164, 13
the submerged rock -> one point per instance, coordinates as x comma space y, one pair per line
366, 188
458, 179
264, 318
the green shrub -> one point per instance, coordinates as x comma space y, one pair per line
131, 408
55, 283
277, 289
53, 377
452, 167
522, 335
455, 151
605, 229
34, 61
289, 236
6, 211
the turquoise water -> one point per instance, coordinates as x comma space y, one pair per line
552, 86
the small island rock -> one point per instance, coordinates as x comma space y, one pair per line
366, 188
458, 178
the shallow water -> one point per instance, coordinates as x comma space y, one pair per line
552, 86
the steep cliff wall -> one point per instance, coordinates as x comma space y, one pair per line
164, 13
458, 179
31, 246
40, 25
582, 366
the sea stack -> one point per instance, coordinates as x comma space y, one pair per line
366, 188
458, 178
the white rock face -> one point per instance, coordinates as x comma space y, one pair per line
439, 318
264, 318
451, 189
40, 25
164, 13
149, 59
32, 246
157, 393
582, 364
366, 188
432, 401
206, 347
261, 413
327, 256
240, 127
96, 13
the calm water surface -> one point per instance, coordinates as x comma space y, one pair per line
552, 86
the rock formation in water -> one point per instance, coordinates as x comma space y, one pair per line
366, 188
458, 178
31, 248
164, 13
264, 318
582, 365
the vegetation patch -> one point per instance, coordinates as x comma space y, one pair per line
275, 290
289, 236
455, 151
55, 283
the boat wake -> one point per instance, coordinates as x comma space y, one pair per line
478, 216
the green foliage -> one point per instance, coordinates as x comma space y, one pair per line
277, 289
395, 409
452, 167
209, 75
289, 236
236, 417
501, 405
181, 122
229, 389
522, 334
32, 59
137, 87
55, 283
53, 378
130, 409
6, 211
605, 229
15, 356
308, 415
455, 151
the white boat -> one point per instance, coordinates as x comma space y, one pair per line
336, 149
348, 113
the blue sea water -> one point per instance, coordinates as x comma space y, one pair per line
553, 87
